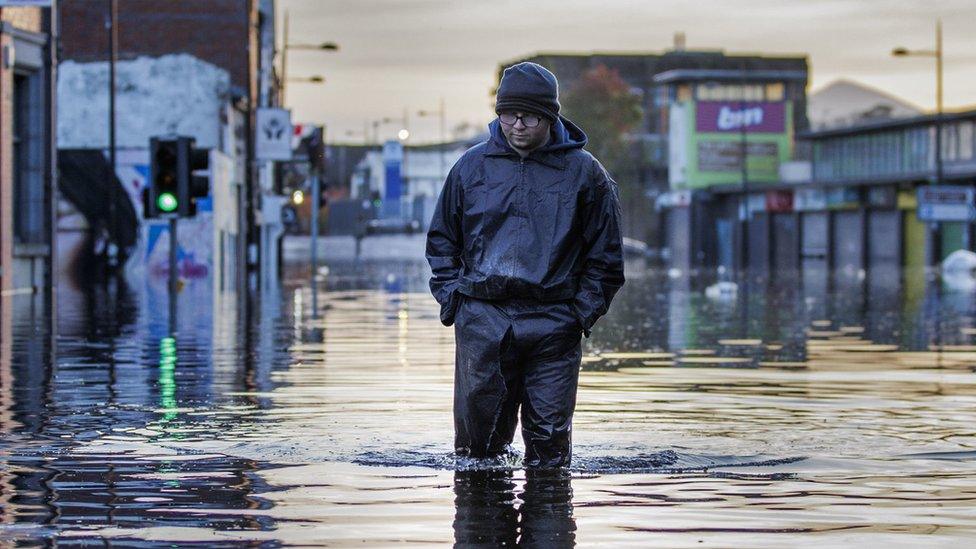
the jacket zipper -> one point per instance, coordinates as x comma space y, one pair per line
520, 217
521, 188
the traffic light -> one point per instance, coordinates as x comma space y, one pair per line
175, 178
199, 179
169, 162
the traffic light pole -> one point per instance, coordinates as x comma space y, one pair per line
173, 244
113, 222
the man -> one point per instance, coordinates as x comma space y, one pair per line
525, 250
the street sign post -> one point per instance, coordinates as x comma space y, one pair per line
274, 131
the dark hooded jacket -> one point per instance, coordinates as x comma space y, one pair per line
546, 227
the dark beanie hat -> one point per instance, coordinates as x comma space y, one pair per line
528, 87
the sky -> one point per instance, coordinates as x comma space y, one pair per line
404, 56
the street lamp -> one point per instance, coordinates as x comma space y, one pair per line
324, 46
441, 115
308, 79
937, 55
402, 134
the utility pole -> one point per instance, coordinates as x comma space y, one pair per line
286, 45
113, 223
443, 132
284, 59
744, 163
443, 146
173, 281
934, 228
938, 102
314, 162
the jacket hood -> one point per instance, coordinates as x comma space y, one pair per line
564, 135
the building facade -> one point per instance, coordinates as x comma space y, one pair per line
27, 168
868, 200
884, 200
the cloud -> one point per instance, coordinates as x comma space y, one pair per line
400, 53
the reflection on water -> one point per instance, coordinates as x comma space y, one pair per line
813, 409
492, 512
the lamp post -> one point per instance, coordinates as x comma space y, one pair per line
324, 46
744, 166
937, 54
403, 134
441, 115
939, 173
308, 79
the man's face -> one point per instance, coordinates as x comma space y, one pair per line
524, 131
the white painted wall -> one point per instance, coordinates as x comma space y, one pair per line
172, 94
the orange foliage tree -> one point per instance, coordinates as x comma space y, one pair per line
603, 105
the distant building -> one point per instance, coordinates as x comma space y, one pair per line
861, 208
669, 79
847, 103
423, 170
26, 155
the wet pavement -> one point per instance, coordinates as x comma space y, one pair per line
808, 410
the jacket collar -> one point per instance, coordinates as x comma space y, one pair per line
500, 148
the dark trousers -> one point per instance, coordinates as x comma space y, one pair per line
516, 355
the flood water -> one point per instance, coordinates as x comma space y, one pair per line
806, 411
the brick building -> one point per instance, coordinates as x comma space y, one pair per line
26, 151
220, 32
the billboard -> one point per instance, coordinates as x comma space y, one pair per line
738, 116
728, 142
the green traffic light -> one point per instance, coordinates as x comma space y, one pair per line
167, 202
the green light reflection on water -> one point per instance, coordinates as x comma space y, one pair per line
167, 378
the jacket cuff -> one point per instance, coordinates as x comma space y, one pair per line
449, 308
582, 321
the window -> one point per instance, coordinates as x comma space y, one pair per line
966, 140
775, 92
713, 91
28, 159
753, 93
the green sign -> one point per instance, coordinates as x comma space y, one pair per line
700, 159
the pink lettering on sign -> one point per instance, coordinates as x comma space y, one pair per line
734, 116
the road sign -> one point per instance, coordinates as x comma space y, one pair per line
946, 203
273, 139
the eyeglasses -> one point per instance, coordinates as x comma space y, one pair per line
509, 119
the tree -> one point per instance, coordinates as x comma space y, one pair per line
602, 104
